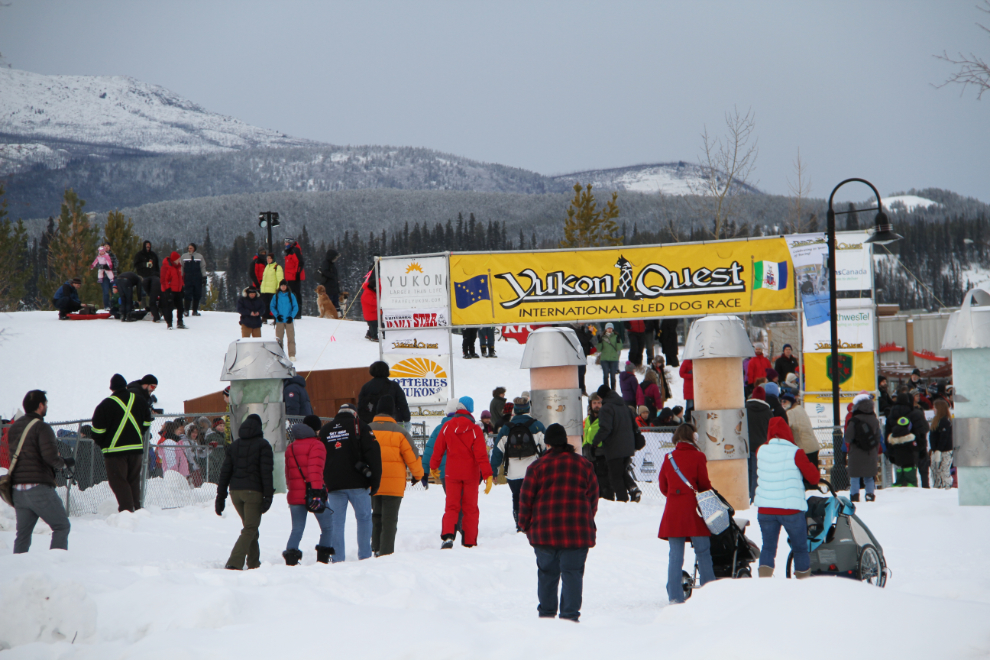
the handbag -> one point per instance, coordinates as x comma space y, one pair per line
713, 511
7, 480
316, 498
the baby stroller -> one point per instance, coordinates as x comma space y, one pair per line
732, 553
840, 543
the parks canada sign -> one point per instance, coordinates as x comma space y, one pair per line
504, 288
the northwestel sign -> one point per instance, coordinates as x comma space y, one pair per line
724, 277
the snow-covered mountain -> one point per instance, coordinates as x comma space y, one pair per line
680, 178
52, 119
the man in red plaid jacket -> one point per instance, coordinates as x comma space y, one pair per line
557, 508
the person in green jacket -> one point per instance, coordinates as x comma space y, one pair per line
588, 447
610, 347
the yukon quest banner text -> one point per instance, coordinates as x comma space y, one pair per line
614, 283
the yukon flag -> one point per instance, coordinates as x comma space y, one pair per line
771, 275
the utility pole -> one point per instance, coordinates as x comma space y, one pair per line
267, 220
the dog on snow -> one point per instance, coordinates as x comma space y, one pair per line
326, 308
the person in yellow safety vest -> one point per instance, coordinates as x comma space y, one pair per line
120, 423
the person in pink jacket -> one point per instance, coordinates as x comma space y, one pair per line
105, 276
305, 459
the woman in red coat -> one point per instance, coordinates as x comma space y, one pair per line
687, 373
680, 515
171, 281
369, 304
305, 459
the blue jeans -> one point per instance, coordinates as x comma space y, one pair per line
675, 564
107, 288
360, 499
797, 534
556, 565
869, 482
610, 371
298, 513
487, 336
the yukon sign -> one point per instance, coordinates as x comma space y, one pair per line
422, 379
412, 283
616, 283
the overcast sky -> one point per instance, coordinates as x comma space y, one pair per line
558, 87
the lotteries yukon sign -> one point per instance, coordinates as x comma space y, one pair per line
615, 283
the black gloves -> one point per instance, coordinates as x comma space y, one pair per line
266, 503
425, 481
280, 319
288, 320
69, 462
219, 504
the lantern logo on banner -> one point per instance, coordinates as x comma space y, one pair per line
419, 377
845, 369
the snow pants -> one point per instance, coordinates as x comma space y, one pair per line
172, 300
384, 523
124, 479
461, 496
193, 290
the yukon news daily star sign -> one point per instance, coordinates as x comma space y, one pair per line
614, 283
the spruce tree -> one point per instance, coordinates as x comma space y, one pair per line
119, 233
587, 225
14, 256
852, 218
71, 252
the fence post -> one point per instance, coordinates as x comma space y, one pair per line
145, 445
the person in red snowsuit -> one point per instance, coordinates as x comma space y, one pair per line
369, 304
171, 281
463, 444
295, 272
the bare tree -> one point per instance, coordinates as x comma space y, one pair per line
727, 163
800, 189
970, 69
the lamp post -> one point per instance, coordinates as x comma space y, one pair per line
882, 234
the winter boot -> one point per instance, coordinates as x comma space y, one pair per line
491, 351
801, 574
635, 495
292, 358
186, 313
323, 554
854, 498
766, 571
870, 497
196, 313
484, 351
473, 354
180, 325
292, 557
448, 542
467, 356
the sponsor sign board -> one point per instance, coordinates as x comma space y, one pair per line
856, 372
393, 319
855, 330
508, 288
413, 282
423, 379
423, 341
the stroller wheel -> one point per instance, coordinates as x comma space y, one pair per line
871, 568
790, 564
687, 582
744, 572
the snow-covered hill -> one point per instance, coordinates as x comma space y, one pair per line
680, 178
46, 119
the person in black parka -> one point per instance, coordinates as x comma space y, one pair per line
905, 455
329, 278
758, 414
863, 439
296, 398
615, 438
248, 471
252, 310
375, 389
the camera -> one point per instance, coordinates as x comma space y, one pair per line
363, 468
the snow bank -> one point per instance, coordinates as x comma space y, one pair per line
38, 609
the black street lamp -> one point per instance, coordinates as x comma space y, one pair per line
882, 234
267, 220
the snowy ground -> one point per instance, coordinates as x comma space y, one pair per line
151, 584
81, 356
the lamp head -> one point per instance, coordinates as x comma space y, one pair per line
883, 231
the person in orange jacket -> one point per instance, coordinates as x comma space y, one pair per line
397, 453
462, 442
172, 284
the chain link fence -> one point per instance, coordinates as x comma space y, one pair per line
832, 462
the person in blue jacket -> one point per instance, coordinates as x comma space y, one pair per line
66, 299
284, 308
518, 451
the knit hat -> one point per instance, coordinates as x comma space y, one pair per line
604, 391
117, 382
916, 372
467, 402
386, 406
173, 256
203, 423
787, 396
485, 414
301, 431
772, 374
643, 409
520, 406
313, 421
347, 409
771, 389
630, 366
779, 429
758, 346
451, 407
555, 436
609, 326
76, 280
791, 379
786, 346
759, 393
149, 379
508, 410
226, 391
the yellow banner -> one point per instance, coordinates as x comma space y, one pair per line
728, 277
857, 372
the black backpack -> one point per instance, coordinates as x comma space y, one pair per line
863, 435
520, 442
